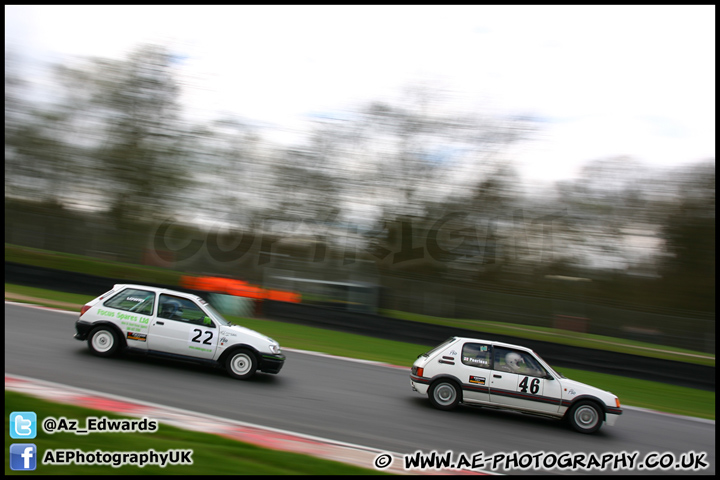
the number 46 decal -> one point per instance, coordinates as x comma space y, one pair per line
202, 337
534, 385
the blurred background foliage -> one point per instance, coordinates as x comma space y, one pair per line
412, 196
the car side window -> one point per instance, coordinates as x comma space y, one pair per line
499, 354
182, 310
517, 361
534, 368
476, 355
133, 300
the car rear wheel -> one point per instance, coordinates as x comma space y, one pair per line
103, 341
585, 417
444, 394
241, 364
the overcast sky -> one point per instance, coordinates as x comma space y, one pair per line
605, 80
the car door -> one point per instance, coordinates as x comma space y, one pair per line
474, 371
519, 381
180, 327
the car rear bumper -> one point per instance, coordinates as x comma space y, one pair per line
82, 330
419, 384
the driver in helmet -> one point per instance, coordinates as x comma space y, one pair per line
172, 309
515, 362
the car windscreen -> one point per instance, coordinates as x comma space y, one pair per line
216, 315
548, 367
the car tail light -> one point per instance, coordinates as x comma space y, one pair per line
84, 309
418, 371
617, 402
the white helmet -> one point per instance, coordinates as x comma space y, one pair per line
513, 360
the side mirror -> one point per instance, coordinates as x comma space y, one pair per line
549, 377
207, 322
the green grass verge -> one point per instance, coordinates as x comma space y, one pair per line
90, 265
212, 454
49, 297
646, 394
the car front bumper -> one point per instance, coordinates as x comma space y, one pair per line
611, 418
271, 363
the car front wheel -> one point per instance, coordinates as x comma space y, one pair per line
241, 364
585, 417
103, 341
444, 394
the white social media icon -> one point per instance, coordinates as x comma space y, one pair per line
26, 456
22, 426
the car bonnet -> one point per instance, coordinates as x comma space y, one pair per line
241, 332
573, 387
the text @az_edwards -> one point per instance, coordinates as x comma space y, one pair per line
52, 425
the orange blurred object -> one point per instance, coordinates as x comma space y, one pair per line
238, 288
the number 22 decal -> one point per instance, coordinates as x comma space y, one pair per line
196, 338
534, 385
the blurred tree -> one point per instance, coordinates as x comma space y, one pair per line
35, 164
138, 159
34, 149
231, 171
135, 106
306, 181
14, 106
689, 269
401, 161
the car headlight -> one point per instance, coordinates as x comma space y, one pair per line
275, 348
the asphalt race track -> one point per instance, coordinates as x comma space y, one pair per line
352, 402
